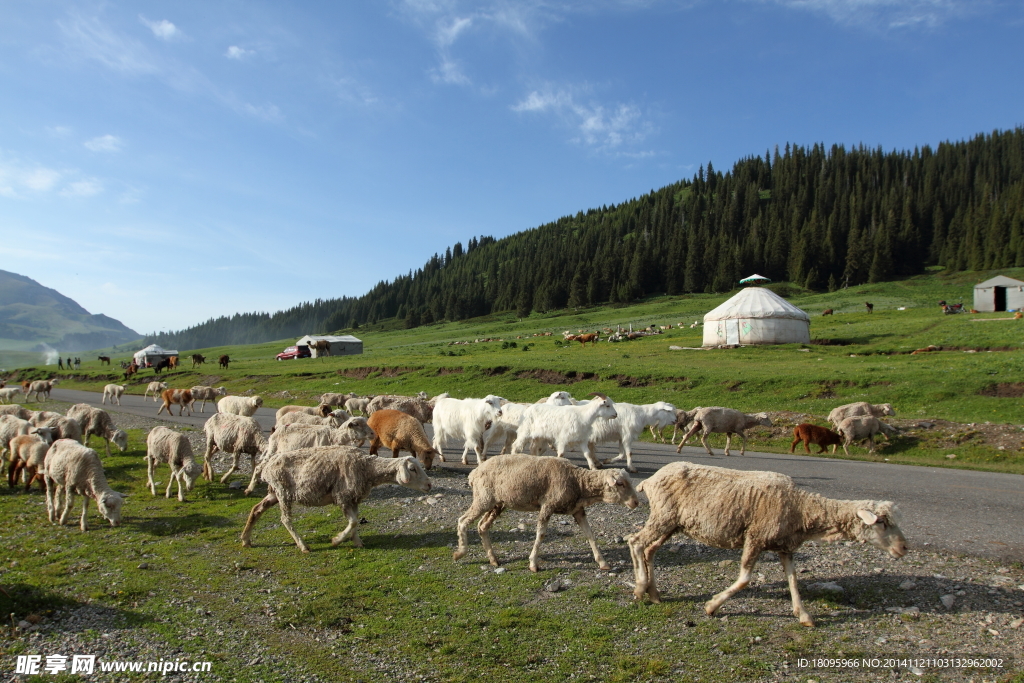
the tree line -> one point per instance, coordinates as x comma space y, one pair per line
821, 217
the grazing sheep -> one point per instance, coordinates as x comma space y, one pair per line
419, 408
467, 419
27, 457
545, 485
399, 432
322, 410
40, 417
114, 392
342, 475
819, 436
863, 427
40, 386
96, 421
756, 511
10, 427
7, 394
726, 421
357, 405
234, 434
559, 398
157, 388
336, 399
181, 397
16, 410
564, 427
164, 445
860, 408
827, 311
246, 406
206, 394
631, 422
61, 427
75, 469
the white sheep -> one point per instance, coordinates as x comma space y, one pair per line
27, 456
336, 399
7, 394
96, 421
246, 406
234, 434
547, 485
564, 427
342, 475
207, 394
466, 419
164, 445
860, 408
10, 427
60, 427
157, 388
73, 469
113, 392
631, 422
410, 405
40, 386
756, 511
558, 398
322, 410
716, 420
357, 405
863, 427
505, 428
329, 420
16, 410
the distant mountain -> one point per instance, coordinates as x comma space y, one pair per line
31, 314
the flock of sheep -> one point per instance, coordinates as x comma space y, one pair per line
313, 458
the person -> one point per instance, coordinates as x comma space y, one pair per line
60, 363
69, 362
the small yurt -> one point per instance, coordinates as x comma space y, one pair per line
151, 355
345, 345
1001, 293
756, 316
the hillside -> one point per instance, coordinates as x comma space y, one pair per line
32, 315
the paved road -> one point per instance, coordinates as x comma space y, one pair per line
962, 511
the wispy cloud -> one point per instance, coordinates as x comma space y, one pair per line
238, 53
82, 188
92, 39
18, 178
58, 131
163, 29
104, 143
601, 127
889, 14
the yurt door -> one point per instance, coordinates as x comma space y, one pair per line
732, 331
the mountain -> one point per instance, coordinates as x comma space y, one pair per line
31, 314
822, 217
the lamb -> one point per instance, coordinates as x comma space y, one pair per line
319, 476
632, 419
336, 399
863, 427
465, 419
246, 406
207, 394
114, 392
75, 469
322, 410
164, 445
7, 394
757, 511
357, 404
40, 386
10, 427
726, 421
546, 485
182, 397
399, 432
819, 436
860, 408
157, 388
27, 457
235, 434
96, 421
564, 427
417, 407
682, 419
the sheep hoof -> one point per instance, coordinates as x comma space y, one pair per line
534, 568
807, 621
654, 595
632, 469
605, 567
305, 550
710, 608
246, 543
458, 555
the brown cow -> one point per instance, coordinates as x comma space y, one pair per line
224, 360
182, 397
870, 306
819, 436
591, 337
827, 311
173, 362
322, 346
198, 359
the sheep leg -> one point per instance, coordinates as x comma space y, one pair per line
51, 496
675, 430
211, 448
85, 509
467, 518
269, 501
686, 437
642, 547
69, 496
588, 453
542, 524
845, 449
657, 435
170, 483
255, 477
484, 529
747, 562
150, 468
234, 466
743, 445
581, 520
286, 522
798, 607
352, 513
704, 440
481, 450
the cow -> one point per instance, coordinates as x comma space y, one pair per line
165, 363
870, 306
322, 346
591, 337
827, 311
104, 360
174, 362
224, 360
198, 359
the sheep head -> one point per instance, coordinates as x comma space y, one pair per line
412, 475
120, 439
190, 473
618, 489
880, 527
109, 504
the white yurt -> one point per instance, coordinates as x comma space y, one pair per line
756, 316
152, 354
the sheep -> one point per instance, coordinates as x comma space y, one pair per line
860, 408
10, 427
757, 511
632, 419
546, 485
506, 427
305, 418
319, 476
336, 399
27, 457
357, 404
558, 398
682, 419
182, 397
246, 406
399, 432
7, 394
235, 434
206, 394
322, 410
40, 417
819, 436
114, 392
716, 420
563, 426
157, 388
417, 407
164, 445
40, 386
863, 427
75, 469
16, 410
466, 419
61, 427
96, 421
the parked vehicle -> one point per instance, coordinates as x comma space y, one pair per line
294, 352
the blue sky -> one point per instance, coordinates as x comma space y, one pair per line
165, 162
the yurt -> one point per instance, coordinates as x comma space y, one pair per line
756, 316
151, 355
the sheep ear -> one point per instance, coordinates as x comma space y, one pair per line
867, 516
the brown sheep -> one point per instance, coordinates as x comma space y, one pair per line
182, 397
819, 436
399, 432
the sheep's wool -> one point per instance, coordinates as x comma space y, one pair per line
756, 316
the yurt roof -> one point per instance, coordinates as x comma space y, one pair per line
155, 350
999, 281
332, 339
756, 302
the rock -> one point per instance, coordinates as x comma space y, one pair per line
724, 563
144, 565
948, 601
236, 485
1017, 623
831, 586
925, 425
555, 586
431, 501
908, 585
951, 456
911, 613
675, 348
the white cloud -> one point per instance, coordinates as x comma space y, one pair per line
82, 188
17, 178
447, 33
449, 71
163, 29
892, 14
92, 39
104, 143
265, 112
239, 53
601, 127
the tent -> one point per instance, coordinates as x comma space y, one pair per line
756, 316
344, 345
1001, 293
151, 355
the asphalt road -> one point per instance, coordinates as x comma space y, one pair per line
960, 511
